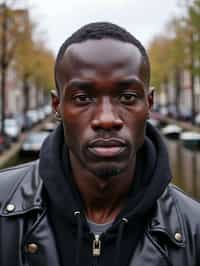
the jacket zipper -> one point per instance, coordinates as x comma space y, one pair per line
96, 249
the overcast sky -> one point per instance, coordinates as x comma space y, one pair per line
144, 18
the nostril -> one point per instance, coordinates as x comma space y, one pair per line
107, 124
95, 123
118, 122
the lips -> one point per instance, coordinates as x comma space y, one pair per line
107, 148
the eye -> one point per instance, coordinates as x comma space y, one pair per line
82, 99
128, 98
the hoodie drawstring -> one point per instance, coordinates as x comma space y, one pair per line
79, 237
119, 239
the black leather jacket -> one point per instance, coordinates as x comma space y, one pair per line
172, 236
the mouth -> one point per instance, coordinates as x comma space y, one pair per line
107, 148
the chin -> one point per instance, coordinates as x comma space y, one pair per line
108, 168
107, 172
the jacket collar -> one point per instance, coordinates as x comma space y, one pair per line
167, 220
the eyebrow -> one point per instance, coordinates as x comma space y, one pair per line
81, 84
89, 85
131, 81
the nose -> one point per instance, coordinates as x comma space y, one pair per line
106, 117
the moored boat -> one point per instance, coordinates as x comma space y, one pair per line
190, 139
171, 131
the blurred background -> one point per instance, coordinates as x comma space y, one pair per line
31, 32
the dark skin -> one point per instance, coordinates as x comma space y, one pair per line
104, 103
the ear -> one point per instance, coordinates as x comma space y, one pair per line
150, 97
55, 101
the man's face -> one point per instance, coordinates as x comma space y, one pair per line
103, 103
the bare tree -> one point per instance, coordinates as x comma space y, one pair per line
8, 40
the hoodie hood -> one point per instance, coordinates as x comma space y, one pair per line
151, 177
66, 211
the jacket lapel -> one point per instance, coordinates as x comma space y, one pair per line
166, 219
40, 247
149, 253
165, 226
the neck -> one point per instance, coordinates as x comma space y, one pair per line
103, 198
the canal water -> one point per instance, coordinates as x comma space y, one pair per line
185, 166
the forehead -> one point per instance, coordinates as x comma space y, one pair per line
103, 57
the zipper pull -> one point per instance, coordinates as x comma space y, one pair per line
96, 246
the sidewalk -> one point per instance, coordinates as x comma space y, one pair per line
10, 153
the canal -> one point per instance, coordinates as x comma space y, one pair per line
185, 166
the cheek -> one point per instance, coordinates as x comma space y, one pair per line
136, 118
75, 127
137, 112
72, 114
136, 124
76, 119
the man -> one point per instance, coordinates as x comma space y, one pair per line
100, 193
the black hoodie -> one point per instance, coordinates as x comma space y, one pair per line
65, 206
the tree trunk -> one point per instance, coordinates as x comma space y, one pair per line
178, 89
166, 89
193, 105
3, 99
3, 65
26, 94
38, 103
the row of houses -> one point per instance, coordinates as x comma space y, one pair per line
15, 99
168, 93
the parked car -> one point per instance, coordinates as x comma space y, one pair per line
49, 126
32, 143
5, 142
172, 111
1, 144
32, 116
47, 109
41, 114
27, 122
163, 110
197, 119
19, 117
185, 115
12, 128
